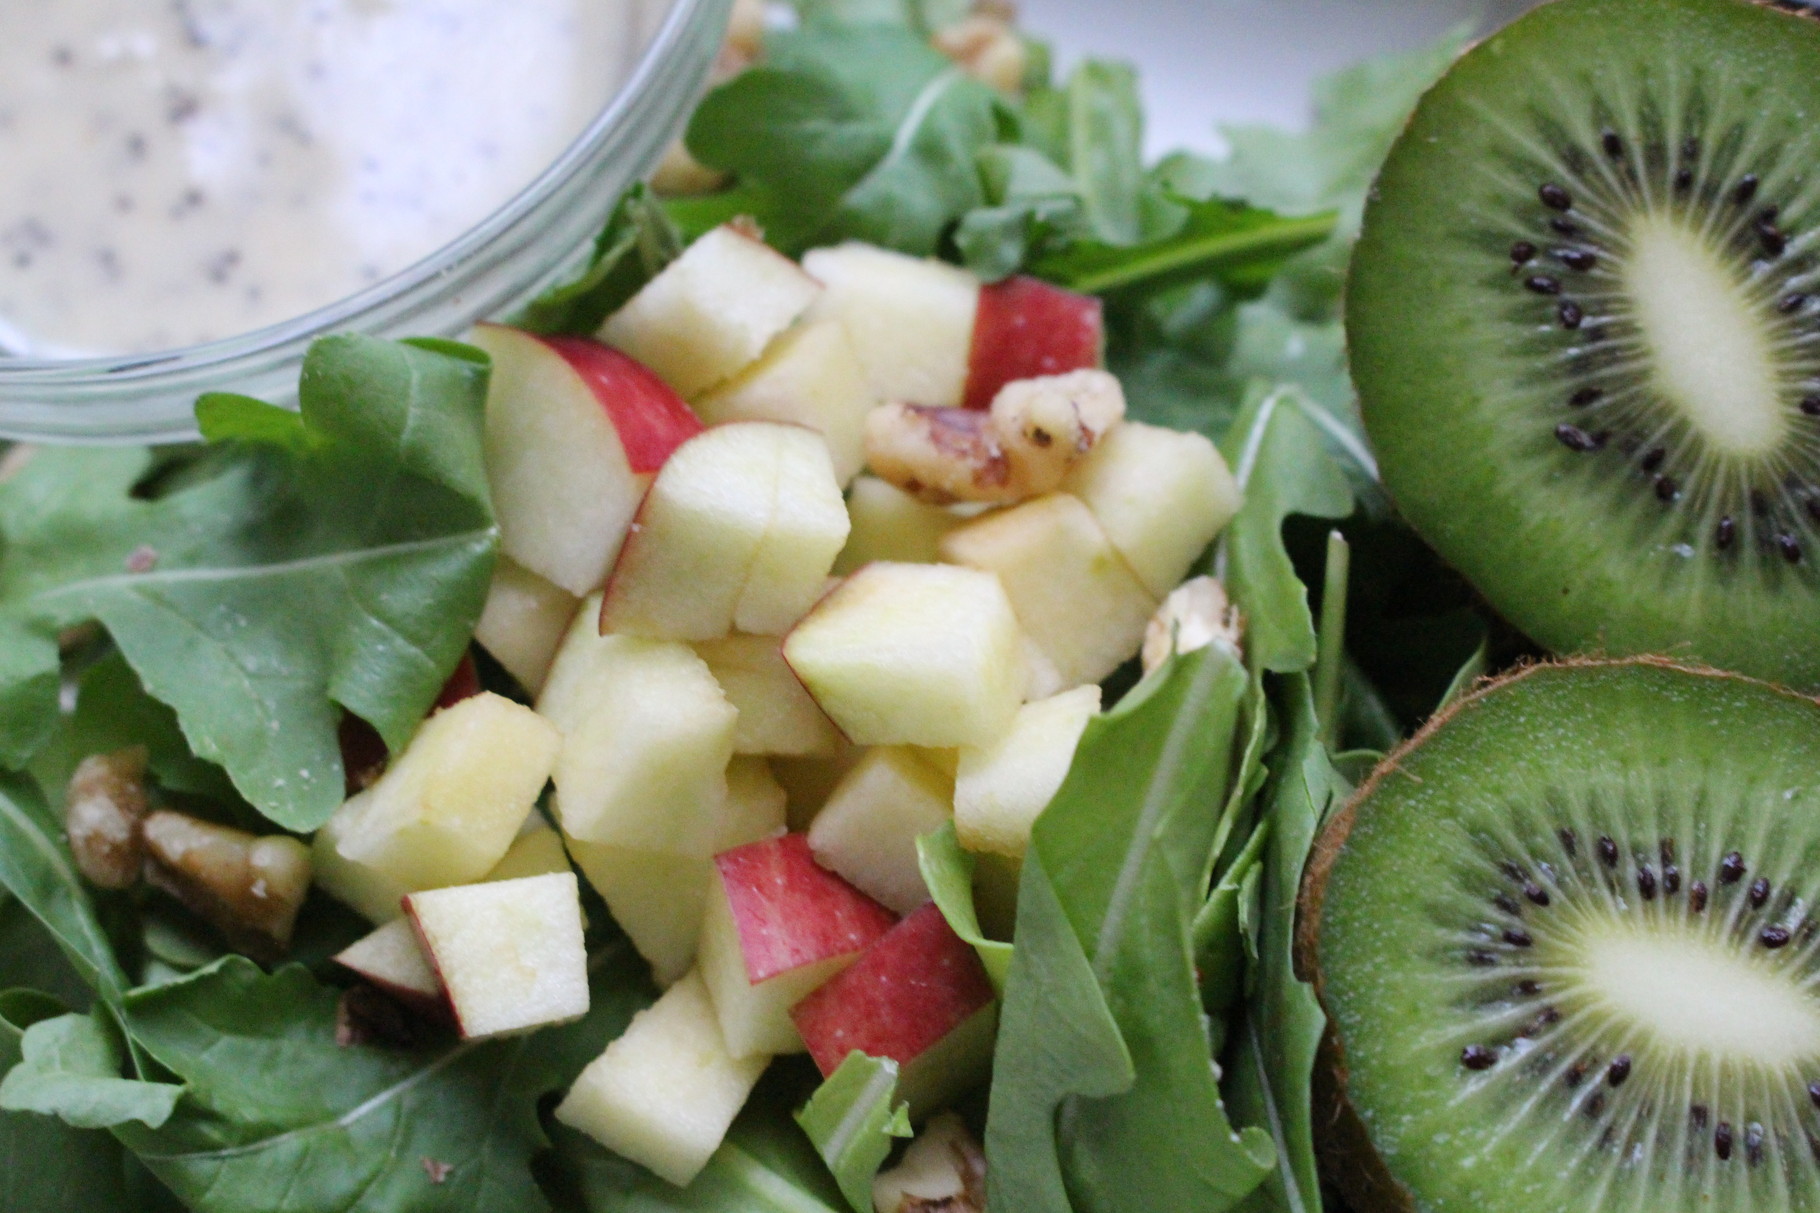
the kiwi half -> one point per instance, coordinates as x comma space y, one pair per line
1568, 943
1584, 319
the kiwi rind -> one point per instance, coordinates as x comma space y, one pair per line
1574, 547
1675, 720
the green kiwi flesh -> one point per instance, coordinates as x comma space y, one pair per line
1584, 320
1569, 947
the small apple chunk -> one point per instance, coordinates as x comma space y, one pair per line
375, 894
911, 320
509, 952
1161, 495
920, 996
943, 1169
777, 926
890, 524
1073, 594
776, 714
808, 528
712, 311
448, 809
810, 377
867, 831
524, 621
1027, 329
574, 432
391, 958
537, 851
913, 654
1000, 789
666, 1091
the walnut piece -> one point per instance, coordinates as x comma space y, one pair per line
249, 888
986, 47
1196, 614
943, 1171
103, 810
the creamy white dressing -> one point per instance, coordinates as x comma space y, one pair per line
176, 171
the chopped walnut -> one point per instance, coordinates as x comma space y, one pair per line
1022, 447
745, 37
247, 887
1195, 614
943, 1171
103, 810
680, 175
986, 47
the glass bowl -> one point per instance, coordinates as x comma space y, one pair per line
532, 242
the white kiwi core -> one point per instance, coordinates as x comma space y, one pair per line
1706, 336
1698, 997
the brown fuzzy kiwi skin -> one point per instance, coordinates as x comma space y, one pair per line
1342, 1143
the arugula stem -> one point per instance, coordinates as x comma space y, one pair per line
1180, 260
1331, 652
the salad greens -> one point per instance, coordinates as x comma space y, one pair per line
225, 604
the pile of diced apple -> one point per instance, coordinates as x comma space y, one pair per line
799, 563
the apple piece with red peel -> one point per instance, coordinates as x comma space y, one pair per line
890, 524
391, 958
919, 996
523, 622
713, 311
867, 831
666, 1091
509, 952
1161, 495
1000, 789
810, 377
776, 715
910, 319
1027, 329
913, 654
574, 433
1073, 594
778, 925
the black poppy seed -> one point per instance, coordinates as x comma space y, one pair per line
1478, 1057
1726, 533
1789, 304
1591, 395
1759, 892
1564, 227
1646, 882
1697, 1114
1507, 903
1480, 958
1522, 253
1517, 939
1731, 868
1619, 1070
1529, 988
1773, 240
1774, 937
1753, 1143
1608, 851
1575, 439
1671, 878
1666, 488
1652, 459
1570, 842
1555, 198
1570, 314
1536, 893
1543, 284
1595, 1106
1577, 258
1813, 1093
1696, 896
1790, 547
1684, 180
1745, 190
1811, 405
1722, 1140
1613, 144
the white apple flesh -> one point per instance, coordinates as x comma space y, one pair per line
911, 320
391, 958
1001, 789
868, 829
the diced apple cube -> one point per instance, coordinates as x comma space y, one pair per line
777, 926
1161, 495
890, 524
510, 952
373, 893
537, 851
1074, 595
524, 621
1001, 788
808, 782
913, 654
911, 320
776, 714
808, 529
867, 831
572, 670
391, 958
712, 311
666, 1091
755, 805
448, 809
810, 377
1029, 329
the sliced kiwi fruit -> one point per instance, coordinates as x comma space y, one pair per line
1568, 940
1584, 319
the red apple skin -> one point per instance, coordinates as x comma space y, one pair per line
363, 752
790, 911
1026, 329
912, 987
650, 419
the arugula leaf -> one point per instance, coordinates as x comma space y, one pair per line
1105, 148
853, 1119
1033, 205
337, 557
1219, 945
70, 1068
638, 241
1239, 245
947, 869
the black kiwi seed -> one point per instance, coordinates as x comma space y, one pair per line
1753, 1143
1666, 489
1529, 988
1570, 314
1671, 878
1480, 958
1543, 284
1536, 893
1507, 903
1790, 547
1517, 939
1774, 937
1570, 842
1652, 459
1722, 1140
1791, 303
1548, 1016
1619, 1070
1811, 405
1646, 882
1759, 893
1772, 239
1565, 227
1731, 868
1745, 190
1595, 1106
1608, 851
1684, 180
1478, 1057
1613, 143
1726, 532
1592, 395
1576, 1074
1696, 896
1522, 253
1698, 1114
1577, 259
1813, 1093
1555, 198
1576, 439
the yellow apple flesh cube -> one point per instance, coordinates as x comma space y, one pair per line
391, 958
807, 782
890, 524
373, 893
1161, 495
1000, 789
643, 763
666, 1091
811, 377
755, 804
1073, 593
572, 669
867, 831
535, 852
914, 654
807, 530
510, 952
712, 311
776, 715
449, 807
523, 622
911, 320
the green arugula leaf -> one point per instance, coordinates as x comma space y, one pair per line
1219, 944
1240, 246
70, 1069
853, 1119
337, 557
948, 871
30, 957
638, 241
1105, 148
1033, 206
